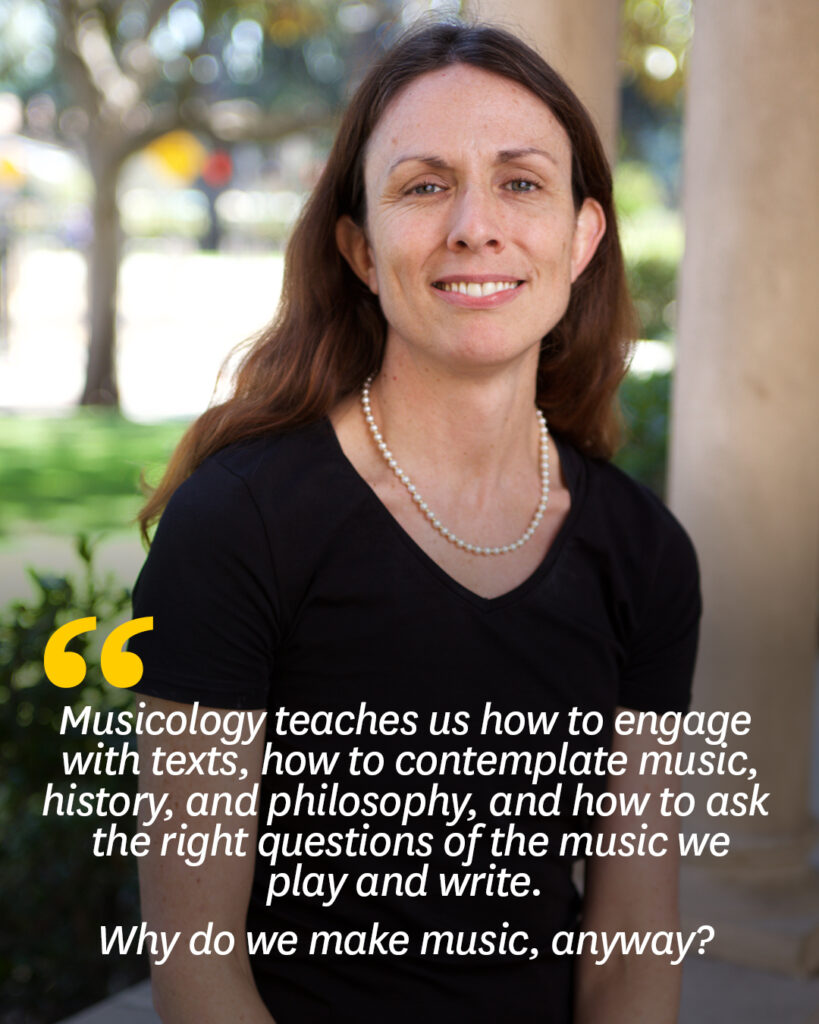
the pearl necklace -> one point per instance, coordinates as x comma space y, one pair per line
434, 521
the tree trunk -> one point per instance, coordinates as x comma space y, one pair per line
103, 274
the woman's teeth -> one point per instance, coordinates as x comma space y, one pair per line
475, 289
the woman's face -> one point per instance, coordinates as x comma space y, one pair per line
472, 240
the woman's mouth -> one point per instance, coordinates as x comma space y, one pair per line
476, 289
477, 292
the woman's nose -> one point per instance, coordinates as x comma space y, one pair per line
475, 222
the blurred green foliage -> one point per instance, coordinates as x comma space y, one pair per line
80, 472
636, 190
55, 894
652, 239
654, 44
645, 402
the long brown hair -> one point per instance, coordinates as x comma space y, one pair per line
329, 331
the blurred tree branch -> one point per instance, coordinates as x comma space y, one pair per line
132, 71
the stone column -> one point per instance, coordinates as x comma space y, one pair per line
579, 39
744, 464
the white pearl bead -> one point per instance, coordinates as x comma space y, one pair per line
475, 549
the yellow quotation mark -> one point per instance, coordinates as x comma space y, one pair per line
120, 668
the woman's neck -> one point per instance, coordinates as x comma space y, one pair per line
480, 431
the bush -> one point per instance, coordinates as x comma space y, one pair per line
645, 404
55, 894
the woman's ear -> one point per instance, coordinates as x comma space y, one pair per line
353, 245
589, 229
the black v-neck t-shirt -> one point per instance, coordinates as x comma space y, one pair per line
277, 579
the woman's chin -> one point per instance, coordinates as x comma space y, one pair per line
485, 356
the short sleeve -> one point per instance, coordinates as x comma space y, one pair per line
660, 662
209, 583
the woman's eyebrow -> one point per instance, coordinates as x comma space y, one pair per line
430, 161
504, 156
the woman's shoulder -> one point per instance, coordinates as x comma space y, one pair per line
273, 462
628, 515
293, 488
278, 452
240, 515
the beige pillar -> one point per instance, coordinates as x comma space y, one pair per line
745, 427
579, 38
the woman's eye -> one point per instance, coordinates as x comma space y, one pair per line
426, 188
522, 185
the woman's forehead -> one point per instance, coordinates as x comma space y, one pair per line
441, 112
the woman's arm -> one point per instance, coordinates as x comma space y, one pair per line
632, 894
175, 897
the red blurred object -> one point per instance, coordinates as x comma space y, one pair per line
218, 169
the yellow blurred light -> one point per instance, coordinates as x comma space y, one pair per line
180, 154
10, 173
285, 31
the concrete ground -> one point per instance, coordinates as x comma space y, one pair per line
722, 993
180, 314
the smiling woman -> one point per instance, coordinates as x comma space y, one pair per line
406, 507
472, 210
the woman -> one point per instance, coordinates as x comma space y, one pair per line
455, 275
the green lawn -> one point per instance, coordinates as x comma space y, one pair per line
77, 472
